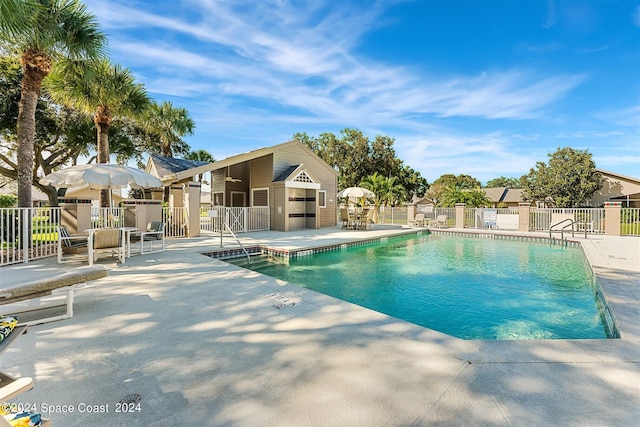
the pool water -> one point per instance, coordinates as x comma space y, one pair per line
468, 287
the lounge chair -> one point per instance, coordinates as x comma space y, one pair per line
154, 232
24, 289
417, 220
440, 221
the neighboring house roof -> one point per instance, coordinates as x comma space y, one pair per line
496, 194
514, 195
240, 158
169, 165
503, 194
10, 188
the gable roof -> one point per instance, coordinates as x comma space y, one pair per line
240, 158
168, 165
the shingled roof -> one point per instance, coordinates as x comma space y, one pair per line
167, 165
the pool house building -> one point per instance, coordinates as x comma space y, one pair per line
285, 187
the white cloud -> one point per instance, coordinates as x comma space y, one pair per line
272, 54
623, 117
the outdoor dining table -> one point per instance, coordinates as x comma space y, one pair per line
358, 218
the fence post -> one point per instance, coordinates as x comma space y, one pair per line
25, 239
612, 211
460, 214
411, 212
524, 210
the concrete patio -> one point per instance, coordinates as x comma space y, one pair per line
202, 343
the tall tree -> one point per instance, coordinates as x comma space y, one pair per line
460, 181
387, 190
504, 182
169, 125
568, 180
104, 90
44, 31
200, 156
355, 157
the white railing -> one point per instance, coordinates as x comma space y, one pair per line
27, 234
393, 215
630, 222
491, 218
107, 217
175, 222
590, 220
243, 220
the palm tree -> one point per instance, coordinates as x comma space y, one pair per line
44, 30
169, 124
473, 198
105, 90
386, 189
201, 156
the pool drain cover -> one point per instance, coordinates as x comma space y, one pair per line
130, 398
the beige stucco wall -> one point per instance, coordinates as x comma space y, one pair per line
614, 186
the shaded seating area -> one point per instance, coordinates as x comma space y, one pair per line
153, 233
356, 219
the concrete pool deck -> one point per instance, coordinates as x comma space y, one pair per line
203, 344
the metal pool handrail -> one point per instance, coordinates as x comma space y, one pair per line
237, 240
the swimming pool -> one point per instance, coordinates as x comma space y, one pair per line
468, 287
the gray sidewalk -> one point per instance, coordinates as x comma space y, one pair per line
203, 344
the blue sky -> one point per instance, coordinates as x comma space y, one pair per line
481, 87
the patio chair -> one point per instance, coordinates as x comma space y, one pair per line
417, 220
154, 232
71, 243
440, 221
368, 220
344, 217
107, 240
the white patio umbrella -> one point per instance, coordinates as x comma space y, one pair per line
101, 176
356, 193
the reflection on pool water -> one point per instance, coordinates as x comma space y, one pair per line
468, 287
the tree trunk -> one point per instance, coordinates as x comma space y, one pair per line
102, 120
36, 66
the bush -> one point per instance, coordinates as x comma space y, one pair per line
8, 201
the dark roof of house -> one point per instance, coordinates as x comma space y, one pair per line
285, 174
167, 165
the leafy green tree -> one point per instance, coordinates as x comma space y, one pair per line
435, 192
568, 180
504, 182
355, 157
104, 90
461, 181
43, 31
